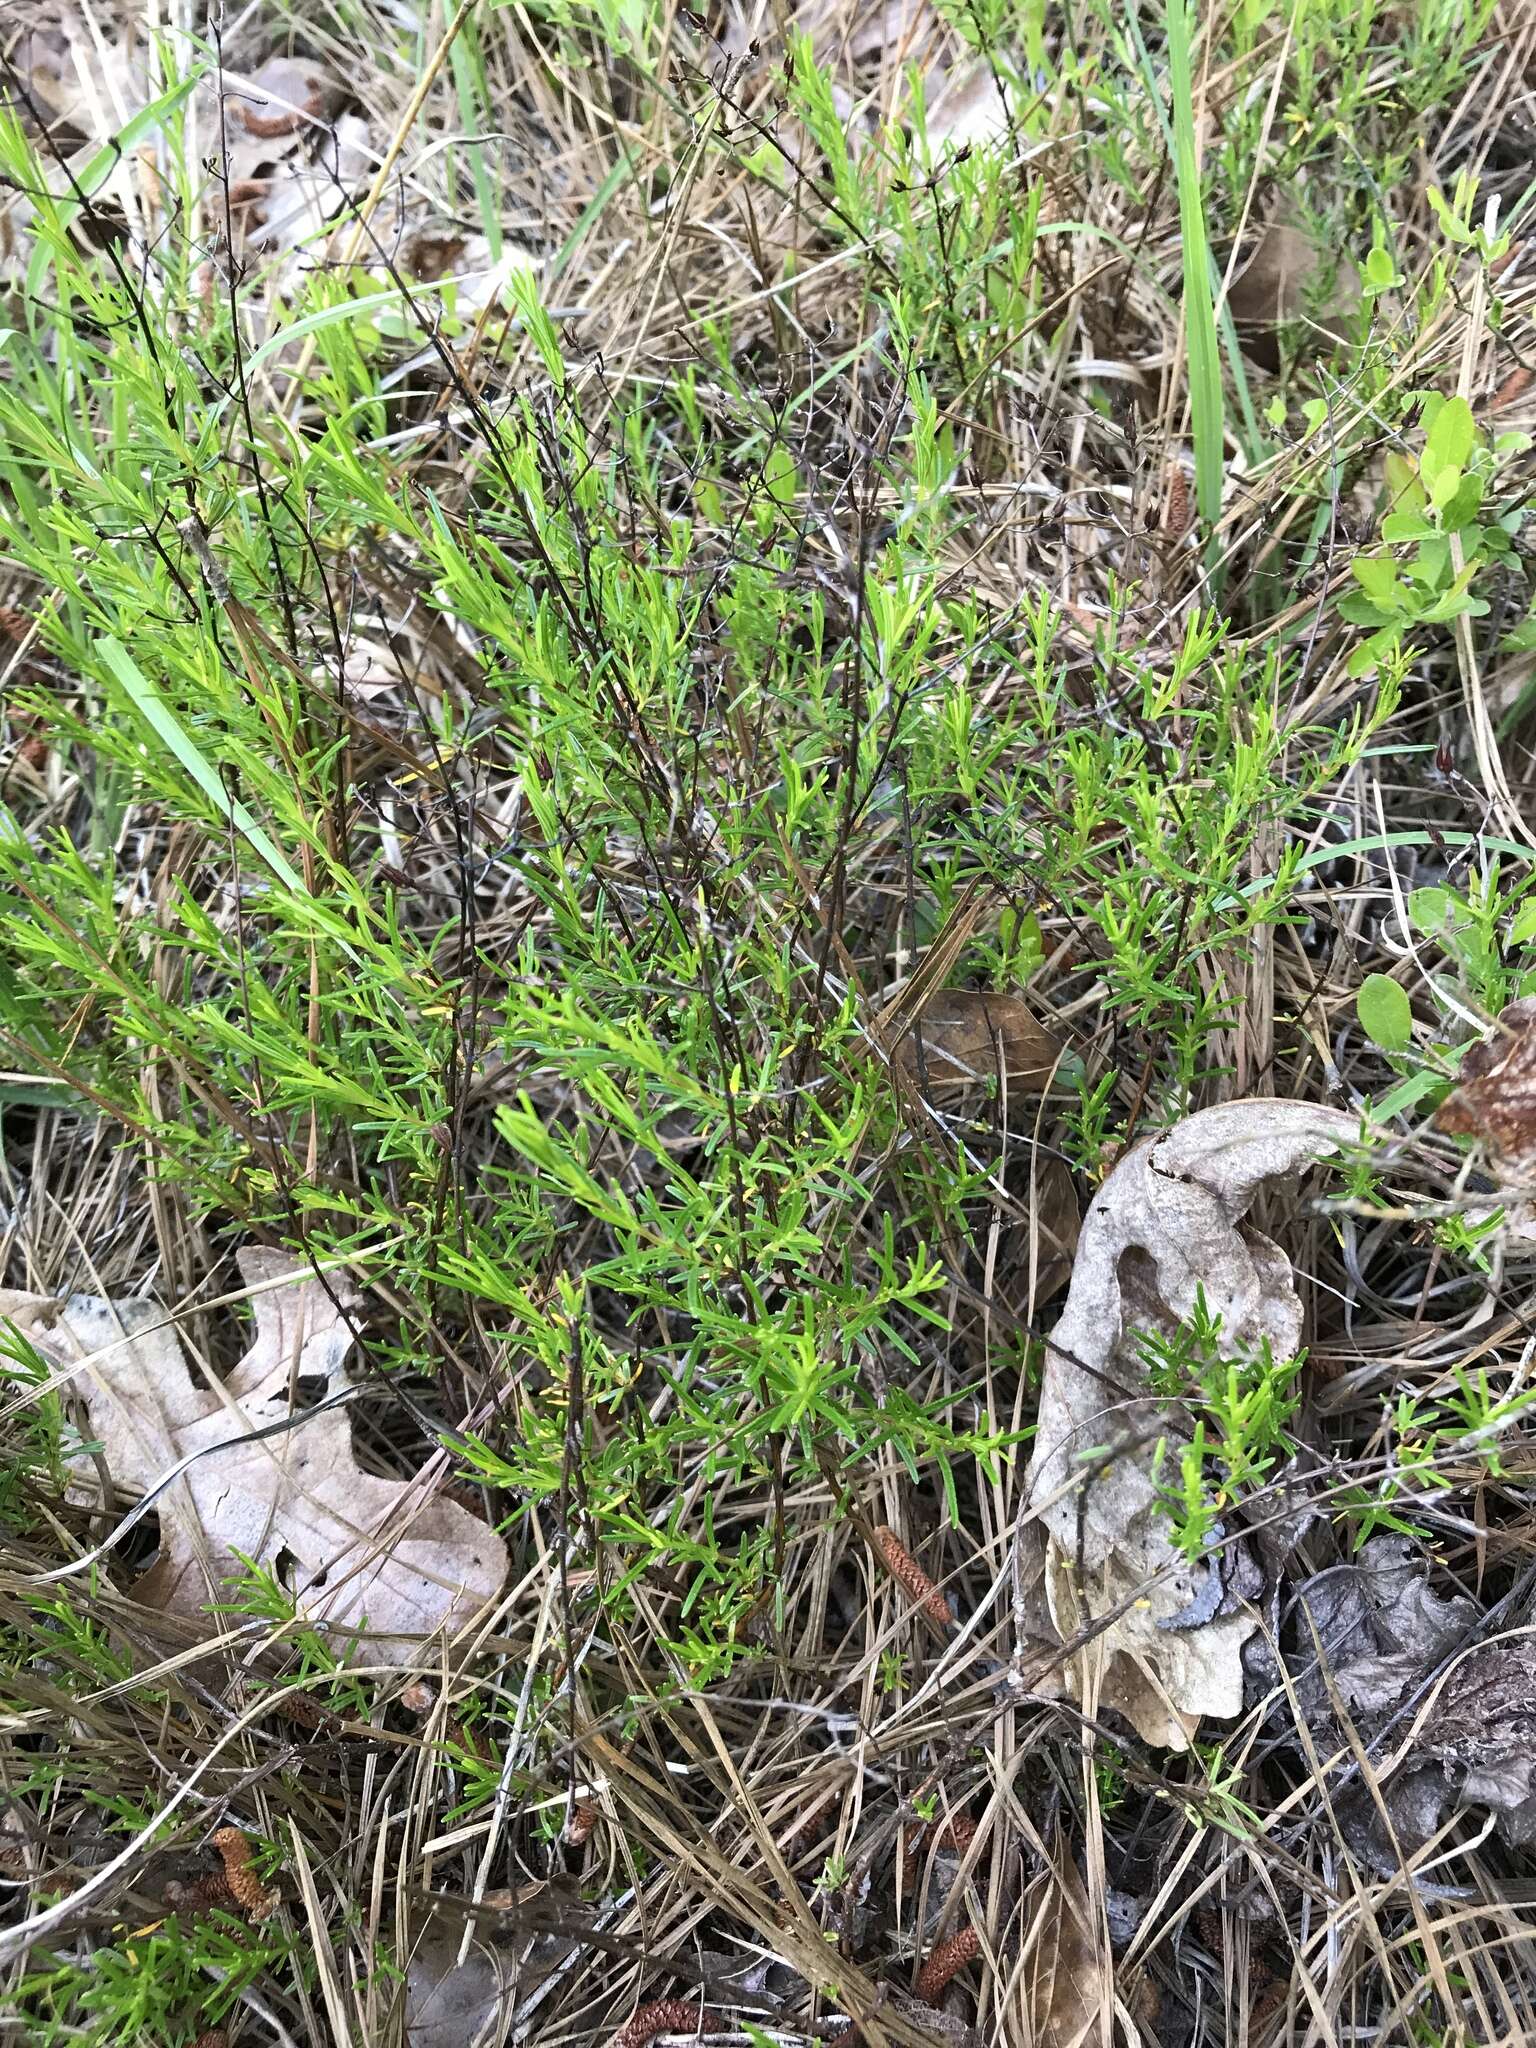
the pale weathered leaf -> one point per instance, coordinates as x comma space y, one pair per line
1066, 1969
379, 1564
1165, 1635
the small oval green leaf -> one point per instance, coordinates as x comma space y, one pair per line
1384, 1013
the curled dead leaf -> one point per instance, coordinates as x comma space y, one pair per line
1058, 1219
1373, 1635
1370, 1628
1495, 1098
450, 1999
1162, 1636
377, 1564
292, 158
73, 77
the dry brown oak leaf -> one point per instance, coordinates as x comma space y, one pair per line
377, 1564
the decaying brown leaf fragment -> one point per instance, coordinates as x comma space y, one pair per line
292, 158
1066, 1962
1373, 1635
968, 1040
966, 1047
1163, 1635
1495, 1098
1280, 285
379, 1564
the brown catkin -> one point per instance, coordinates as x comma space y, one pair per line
1176, 502
956, 1835
949, 1957
661, 2016
258, 1900
583, 1820
306, 1712
194, 1896
912, 1579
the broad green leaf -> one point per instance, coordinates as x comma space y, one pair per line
1404, 490
1450, 226
1437, 913
1360, 611
1373, 652
1378, 578
1384, 1012
1401, 526
1452, 435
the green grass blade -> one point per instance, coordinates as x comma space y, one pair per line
1205, 395
157, 715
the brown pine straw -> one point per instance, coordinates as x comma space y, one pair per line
661, 2016
912, 1579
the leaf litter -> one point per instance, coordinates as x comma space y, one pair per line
1391, 1636
1147, 1631
974, 1051
1448, 1720
243, 1474
290, 152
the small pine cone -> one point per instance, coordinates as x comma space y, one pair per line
947, 1960
259, 1901
911, 1577
661, 2016
307, 1712
956, 1835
